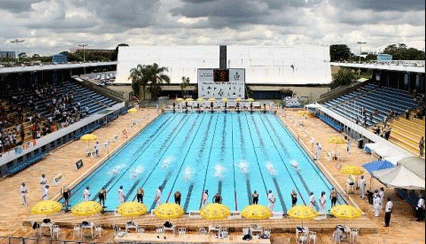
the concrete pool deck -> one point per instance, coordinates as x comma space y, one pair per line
12, 214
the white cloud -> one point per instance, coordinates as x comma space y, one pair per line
50, 26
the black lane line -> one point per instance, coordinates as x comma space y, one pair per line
219, 188
313, 166
277, 187
208, 161
162, 187
187, 152
233, 161
188, 197
160, 148
250, 200
131, 190
282, 159
104, 186
306, 187
115, 155
280, 196
257, 157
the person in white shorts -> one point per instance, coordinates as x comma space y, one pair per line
121, 195
272, 200
86, 194
24, 192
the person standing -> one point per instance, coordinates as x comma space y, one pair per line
255, 197
24, 192
382, 196
312, 200
158, 196
333, 197
420, 209
389, 207
272, 200
323, 203
217, 198
377, 204
205, 198
66, 194
86, 194
348, 146
97, 147
46, 193
102, 197
140, 194
362, 186
178, 197
121, 195
293, 198
43, 182
318, 149
422, 146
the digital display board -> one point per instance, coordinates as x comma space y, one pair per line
221, 75
220, 83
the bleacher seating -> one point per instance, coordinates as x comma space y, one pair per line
331, 123
372, 97
407, 133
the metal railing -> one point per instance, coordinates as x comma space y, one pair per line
35, 240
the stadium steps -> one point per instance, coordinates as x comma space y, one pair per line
407, 133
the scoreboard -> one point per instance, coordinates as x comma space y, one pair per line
221, 83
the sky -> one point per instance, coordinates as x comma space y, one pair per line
51, 26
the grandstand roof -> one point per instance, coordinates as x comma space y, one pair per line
403, 66
19, 69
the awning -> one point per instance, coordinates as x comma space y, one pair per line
415, 165
386, 151
400, 177
377, 165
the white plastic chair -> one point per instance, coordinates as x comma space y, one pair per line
98, 231
312, 237
182, 231
55, 231
303, 238
354, 235
202, 231
77, 232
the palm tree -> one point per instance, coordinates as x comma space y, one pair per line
155, 76
138, 80
184, 85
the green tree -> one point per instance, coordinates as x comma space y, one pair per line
156, 76
184, 85
343, 77
340, 52
402, 52
138, 80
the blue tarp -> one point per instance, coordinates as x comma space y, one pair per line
377, 165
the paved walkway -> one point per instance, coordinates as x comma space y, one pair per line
61, 161
404, 229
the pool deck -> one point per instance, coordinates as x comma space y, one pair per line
404, 228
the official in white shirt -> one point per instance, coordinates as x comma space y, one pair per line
389, 207
24, 192
45, 193
205, 198
121, 195
420, 209
43, 182
312, 200
86, 194
158, 197
323, 203
362, 186
272, 200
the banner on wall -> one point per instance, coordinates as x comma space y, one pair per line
219, 83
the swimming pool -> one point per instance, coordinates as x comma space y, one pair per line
230, 153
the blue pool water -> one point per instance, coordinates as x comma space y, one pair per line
233, 153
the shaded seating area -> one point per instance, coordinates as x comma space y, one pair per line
372, 103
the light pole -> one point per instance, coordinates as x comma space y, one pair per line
17, 41
84, 45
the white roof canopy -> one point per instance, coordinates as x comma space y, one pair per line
400, 177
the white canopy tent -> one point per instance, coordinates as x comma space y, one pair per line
388, 152
400, 177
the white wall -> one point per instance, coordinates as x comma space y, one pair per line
263, 64
180, 60
272, 65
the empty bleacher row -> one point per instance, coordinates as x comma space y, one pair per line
372, 98
407, 133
